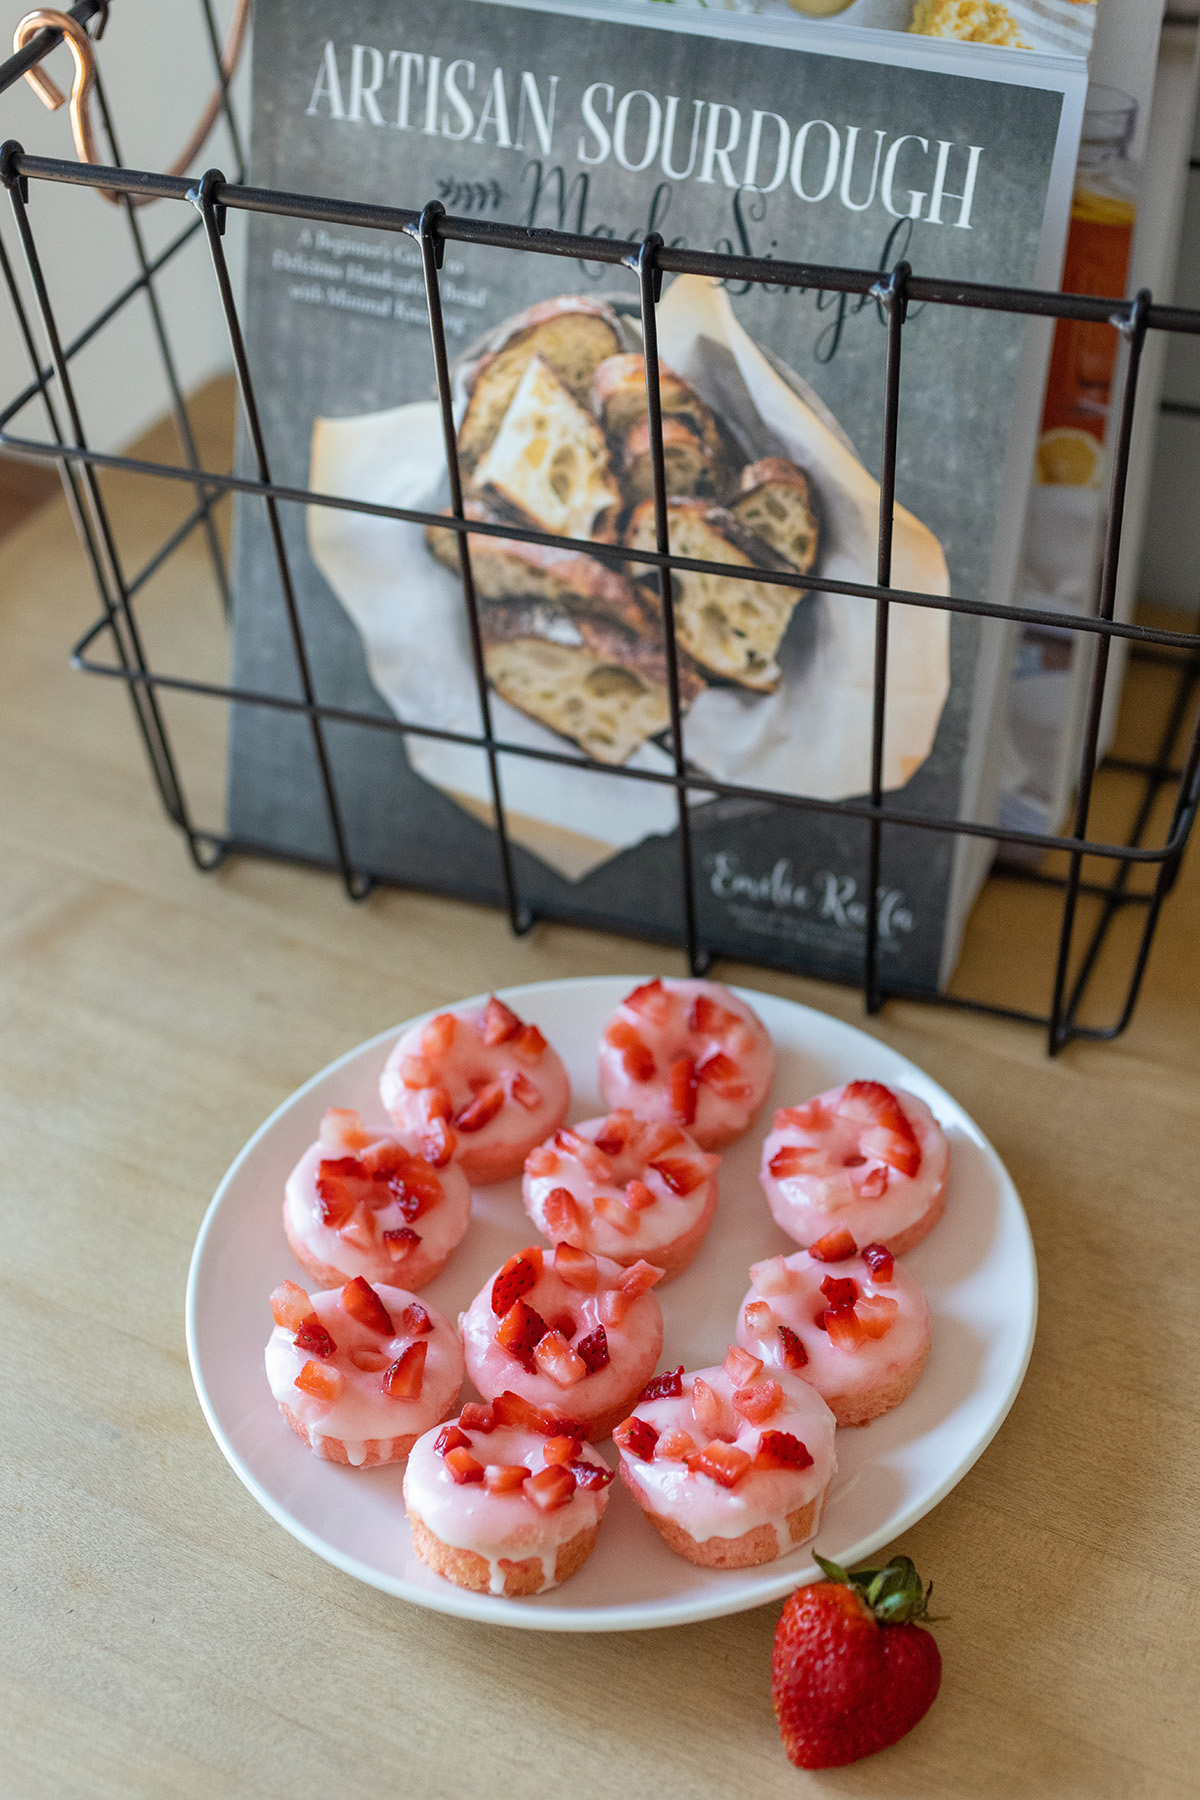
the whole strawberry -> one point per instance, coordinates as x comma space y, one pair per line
850, 1671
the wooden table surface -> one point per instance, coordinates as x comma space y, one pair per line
160, 1635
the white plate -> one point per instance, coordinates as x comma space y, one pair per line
977, 1268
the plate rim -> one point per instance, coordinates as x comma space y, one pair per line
650, 1615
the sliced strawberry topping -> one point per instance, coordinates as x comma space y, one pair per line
657, 1139
741, 1367
415, 1072
780, 1450
590, 1475
499, 1022
477, 1417
513, 1409
519, 1274
793, 1159
584, 1151
682, 1174
529, 1044
437, 1104
561, 1212
451, 1438
675, 1445
400, 1242
712, 1415
342, 1131
722, 1462
541, 1161
291, 1306
593, 1350
835, 1246
520, 1331
415, 1188
505, 1478
758, 1318
320, 1382
314, 1338
773, 1276
877, 1314
650, 1001
555, 1358
414, 1320
638, 1437
576, 1267
711, 1019
812, 1116
463, 1466
839, 1292
889, 1135
636, 1055
551, 1487
615, 1132
881, 1262
524, 1092
404, 1379
724, 1077
622, 1218
794, 1354
640, 1277
361, 1301
638, 1195
844, 1328
339, 1189
681, 1084
874, 1182
758, 1403
483, 1108
438, 1035
559, 1449
437, 1143
667, 1386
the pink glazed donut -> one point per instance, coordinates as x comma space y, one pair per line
566, 1330
362, 1203
625, 1189
484, 1081
504, 1506
359, 1374
688, 1053
730, 1465
856, 1327
861, 1157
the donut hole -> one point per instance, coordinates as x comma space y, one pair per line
369, 1361
853, 1162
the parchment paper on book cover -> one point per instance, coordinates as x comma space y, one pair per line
812, 735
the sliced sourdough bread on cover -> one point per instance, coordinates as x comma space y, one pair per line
776, 502
548, 461
572, 333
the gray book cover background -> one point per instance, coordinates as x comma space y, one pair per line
336, 326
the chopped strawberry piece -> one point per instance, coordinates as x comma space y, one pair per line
773, 1276
622, 1218
561, 1212
559, 1449
438, 1035
650, 1001
437, 1143
877, 1314
513, 1409
415, 1072
477, 1417
615, 1132
793, 1352
881, 1262
874, 1182
383, 1158
712, 1415
519, 1274
555, 1358
291, 1306
637, 1436
839, 1292
667, 1386
415, 1186
638, 1195
339, 1189
613, 1305
483, 1108
835, 1246
437, 1104
812, 1116
313, 1337
593, 1350
520, 1331
711, 1019
319, 1382
636, 1055
584, 1151
640, 1277
463, 1466
724, 1077
576, 1267
681, 1084
400, 1242
499, 1022
793, 1159
342, 1131
529, 1044
659, 1138
758, 1318
451, 1438
524, 1092
844, 1328
415, 1320
758, 1403
541, 1161
722, 1462
551, 1487
682, 1174
741, 1367
589, 1475
405, 1377
780, 1450
361, 1301
505, 1478
890, 1136
675, 1445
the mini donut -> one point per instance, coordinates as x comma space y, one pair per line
855, 1326
687, 1053
483, 1082
360, 1202
506, 1500
731, 1465
624, 1189
359, 1373
566, 1330
865, 1157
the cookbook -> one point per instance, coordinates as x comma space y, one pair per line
788, 138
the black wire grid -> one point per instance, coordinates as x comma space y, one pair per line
1078, 950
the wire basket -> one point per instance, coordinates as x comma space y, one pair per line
1093, 869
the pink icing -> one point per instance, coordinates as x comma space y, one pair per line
701, 1505
364, 1412
362, 1250
842, 1376
494, 1525
662, 1015
589, 1175
633, 1345
829, 1194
